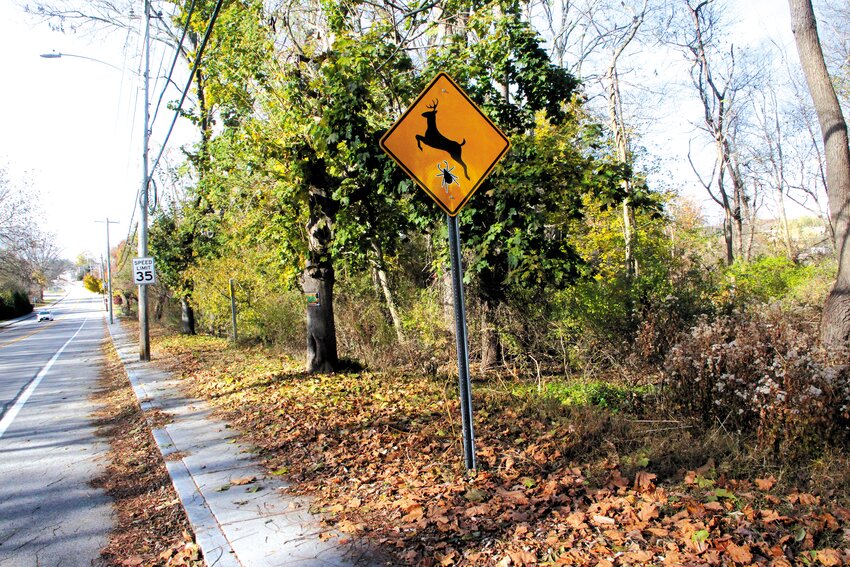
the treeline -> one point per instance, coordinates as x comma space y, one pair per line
294, 194
29, 257
572, 259
577, 258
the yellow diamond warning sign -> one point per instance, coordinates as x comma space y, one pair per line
446, 144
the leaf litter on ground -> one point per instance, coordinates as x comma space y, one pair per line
381, 455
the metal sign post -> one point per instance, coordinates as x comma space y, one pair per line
448, 146
462, 344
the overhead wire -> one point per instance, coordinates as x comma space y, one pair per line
185, 93
134, 227
159, 74
174, 62
130, 225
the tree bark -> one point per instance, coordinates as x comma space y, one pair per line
783, 223
835, 322
319, 278
491, 296
489, 337
187, 317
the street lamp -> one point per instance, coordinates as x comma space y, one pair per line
144, 329
57, 55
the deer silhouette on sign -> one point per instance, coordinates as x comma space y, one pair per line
436, 140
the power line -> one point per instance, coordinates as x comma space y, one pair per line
195, 66
176, 57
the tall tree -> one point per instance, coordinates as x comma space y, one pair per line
717, 90
517, 232
617, 123
835, 322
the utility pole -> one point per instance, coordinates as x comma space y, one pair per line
108, 268
144, 331
102, 271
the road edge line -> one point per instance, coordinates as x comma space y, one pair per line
10, 416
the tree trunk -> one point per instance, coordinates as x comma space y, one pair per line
728, 237
319, 278
489, 337
490, 294
187, 317
621, 141
321, 327
835, 322
383, 282
157, 308
783, 223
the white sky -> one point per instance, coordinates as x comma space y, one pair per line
73, 127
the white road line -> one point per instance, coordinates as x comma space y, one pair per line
13, 411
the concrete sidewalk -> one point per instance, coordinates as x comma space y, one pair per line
250, 525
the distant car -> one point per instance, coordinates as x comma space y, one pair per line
45, 315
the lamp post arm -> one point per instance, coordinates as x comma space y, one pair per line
57, 55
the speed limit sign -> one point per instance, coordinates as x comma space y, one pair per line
143, 271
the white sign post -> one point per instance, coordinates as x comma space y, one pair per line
143, 271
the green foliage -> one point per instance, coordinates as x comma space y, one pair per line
765, 279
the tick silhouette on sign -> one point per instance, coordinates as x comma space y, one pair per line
435, 139
447, 177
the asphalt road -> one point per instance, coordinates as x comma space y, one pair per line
49, 513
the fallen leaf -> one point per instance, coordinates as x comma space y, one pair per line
413, 513
639, 556
739, 553
480, 510
243, 480
766, 483
643, 480
603, 520
475, 495
513, 497
829, 557
523, 557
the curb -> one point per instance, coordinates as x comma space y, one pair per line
209, 536
236, 523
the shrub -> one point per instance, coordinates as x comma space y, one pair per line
14, 303
773, 278
93, 284
765, 376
